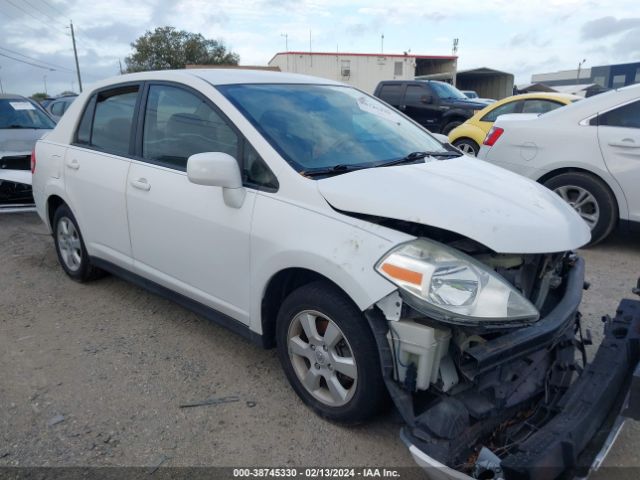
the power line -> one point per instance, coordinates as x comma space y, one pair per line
29, 13
40, 11
52, 7
45, 63
29, 63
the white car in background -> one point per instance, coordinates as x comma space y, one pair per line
587, 152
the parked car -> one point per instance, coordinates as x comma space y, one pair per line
469, 136
588, 153
58, 106
437, 106
307, 215
22, 122
473, 95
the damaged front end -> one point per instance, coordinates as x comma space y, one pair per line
506, 399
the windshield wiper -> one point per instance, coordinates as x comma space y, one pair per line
333, 170
413, 156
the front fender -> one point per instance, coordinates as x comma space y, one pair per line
325, 243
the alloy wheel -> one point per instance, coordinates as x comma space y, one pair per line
582, 201
322, 358
69, 244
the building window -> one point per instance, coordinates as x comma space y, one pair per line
599, 81
345, 68
619, 81
637, 79
397, 68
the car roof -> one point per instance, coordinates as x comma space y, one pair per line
220, 76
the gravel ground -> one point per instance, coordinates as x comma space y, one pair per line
94, 374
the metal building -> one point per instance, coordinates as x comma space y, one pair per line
605, 76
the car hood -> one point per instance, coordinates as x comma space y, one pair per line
470, 104
500, 209
18, 176
19, 141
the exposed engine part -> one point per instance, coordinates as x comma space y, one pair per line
422, 346
487, 465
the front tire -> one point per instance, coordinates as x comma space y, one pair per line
329, 354
72, 254
590, 198
468, 146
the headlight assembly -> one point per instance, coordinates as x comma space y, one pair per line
448, 285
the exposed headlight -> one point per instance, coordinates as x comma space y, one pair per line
448, 285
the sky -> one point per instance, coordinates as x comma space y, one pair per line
521, 37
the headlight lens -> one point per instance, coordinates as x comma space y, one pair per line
448, 285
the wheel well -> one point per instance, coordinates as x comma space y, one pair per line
280, 286
466, 138
53, 202
559, 171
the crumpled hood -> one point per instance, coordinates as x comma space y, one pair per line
498, 208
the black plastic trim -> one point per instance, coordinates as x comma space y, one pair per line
186, 302
523, 341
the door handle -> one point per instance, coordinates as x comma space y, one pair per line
625, 143
141, 184
73, 164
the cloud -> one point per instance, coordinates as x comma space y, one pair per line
529, 38
607, 26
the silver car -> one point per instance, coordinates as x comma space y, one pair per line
22, 122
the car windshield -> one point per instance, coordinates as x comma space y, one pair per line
21, 113
444, 90
324, 126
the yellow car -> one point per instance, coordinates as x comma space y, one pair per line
469, 136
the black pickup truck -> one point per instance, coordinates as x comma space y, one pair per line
437, 106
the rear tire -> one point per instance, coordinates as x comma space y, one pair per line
450, 126
329, 354
467, 146
72, 254
592, 200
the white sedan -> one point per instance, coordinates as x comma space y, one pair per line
588, 153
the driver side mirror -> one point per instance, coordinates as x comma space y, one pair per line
426, 98
218, 169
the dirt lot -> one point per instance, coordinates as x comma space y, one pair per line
94, 374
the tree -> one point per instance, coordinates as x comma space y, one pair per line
39, 96
167, 48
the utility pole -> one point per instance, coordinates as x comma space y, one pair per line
75, 53
382, 43
120, 64
579, 68
1, 88
286, 47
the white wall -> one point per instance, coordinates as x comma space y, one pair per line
366, 71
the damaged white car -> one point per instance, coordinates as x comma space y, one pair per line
382, 264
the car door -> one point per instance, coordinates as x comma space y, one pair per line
421, 105
95, 172
619, 139
183, 235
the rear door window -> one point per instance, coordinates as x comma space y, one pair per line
627, 116
113, 120
391, 93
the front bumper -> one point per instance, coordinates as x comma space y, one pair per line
590, 415
568, 436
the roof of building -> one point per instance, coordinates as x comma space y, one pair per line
351, 54
482, 71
